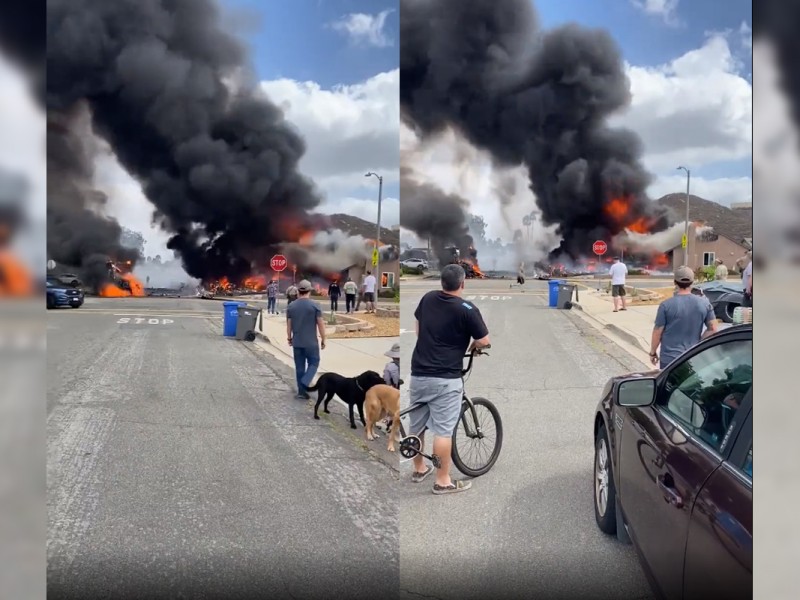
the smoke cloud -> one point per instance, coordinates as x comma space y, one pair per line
530, 97
168, 89
434, 215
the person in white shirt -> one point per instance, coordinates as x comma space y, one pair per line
369, 291
619, 273
747, 284
721, 272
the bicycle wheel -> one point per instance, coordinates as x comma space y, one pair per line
486, 448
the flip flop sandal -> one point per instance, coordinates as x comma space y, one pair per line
455, 487
623, 309
419, 477
615, 310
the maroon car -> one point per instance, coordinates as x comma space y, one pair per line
674, 468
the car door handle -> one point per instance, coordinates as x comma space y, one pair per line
671, 495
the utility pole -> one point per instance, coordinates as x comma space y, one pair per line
686, 225
377, 265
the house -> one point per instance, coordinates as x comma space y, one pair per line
389, 243
729, 237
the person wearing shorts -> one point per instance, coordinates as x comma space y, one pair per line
447, 327
369, 291
619, 273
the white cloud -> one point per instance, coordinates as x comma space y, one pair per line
695, 110
365, 29
723, 190
663, 9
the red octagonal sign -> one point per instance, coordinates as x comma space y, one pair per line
278, 263
599, 247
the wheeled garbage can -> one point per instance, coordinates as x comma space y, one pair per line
230, 316
553, 292
565, 292
246, 323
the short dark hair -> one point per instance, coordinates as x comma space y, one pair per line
452, 277
684, 285
369, 272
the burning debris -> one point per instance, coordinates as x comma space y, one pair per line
219, 163
528, 97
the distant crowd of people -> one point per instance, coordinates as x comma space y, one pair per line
354, 294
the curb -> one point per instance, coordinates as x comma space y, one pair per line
618, 331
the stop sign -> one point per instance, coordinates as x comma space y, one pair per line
278, 263
599, 247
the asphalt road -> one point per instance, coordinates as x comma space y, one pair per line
526, 529
179, 465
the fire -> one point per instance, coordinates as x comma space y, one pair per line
255, 283
136, 288
16, 280
619, 210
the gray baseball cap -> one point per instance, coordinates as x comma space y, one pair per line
304, 286
684, 275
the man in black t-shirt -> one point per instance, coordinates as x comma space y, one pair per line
447, 327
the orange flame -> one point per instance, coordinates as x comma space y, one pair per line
137, 289
619, 210
110, 290
16, 281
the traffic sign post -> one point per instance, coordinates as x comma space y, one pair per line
599, 247
278, 263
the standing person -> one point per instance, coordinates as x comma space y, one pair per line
369, 291
303, 322
747, 283
680, 321
619, 274
272, 297
291, 295
350, 291
521, 274
447, 326
742, 263
333, 293
721, 272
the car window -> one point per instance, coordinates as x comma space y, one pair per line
747, 467
705, 391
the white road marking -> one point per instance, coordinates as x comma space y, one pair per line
143, 321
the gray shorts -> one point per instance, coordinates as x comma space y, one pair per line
617, 290
441, 404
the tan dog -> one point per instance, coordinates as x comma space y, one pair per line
382, 399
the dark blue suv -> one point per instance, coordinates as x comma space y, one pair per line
59, 294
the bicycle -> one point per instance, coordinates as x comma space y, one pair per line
475, 431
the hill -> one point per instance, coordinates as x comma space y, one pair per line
732, 224
366, 229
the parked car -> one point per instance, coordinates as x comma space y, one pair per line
725, 297
66, 279
59, 294
674, 468
415, 264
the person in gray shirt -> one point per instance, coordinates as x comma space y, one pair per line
680, 321
303, 321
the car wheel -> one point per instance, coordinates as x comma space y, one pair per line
605, 495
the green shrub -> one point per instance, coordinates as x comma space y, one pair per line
407, 271
702, 274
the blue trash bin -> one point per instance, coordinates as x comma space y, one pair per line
231, 316
553, 295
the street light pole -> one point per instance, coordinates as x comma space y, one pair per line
686, 225
378, 234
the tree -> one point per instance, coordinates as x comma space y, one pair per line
132, 239
477, 228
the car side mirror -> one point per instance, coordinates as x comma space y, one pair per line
637, 392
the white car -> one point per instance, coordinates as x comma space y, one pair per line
415, 263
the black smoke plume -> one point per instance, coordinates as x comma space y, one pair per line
168, 89
532, 97
435, 216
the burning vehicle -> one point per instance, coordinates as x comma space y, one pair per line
122, 281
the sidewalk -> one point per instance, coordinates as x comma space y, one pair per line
631, 328
348, 357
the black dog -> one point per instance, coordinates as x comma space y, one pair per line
350, 389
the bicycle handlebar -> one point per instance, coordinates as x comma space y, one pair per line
471, 357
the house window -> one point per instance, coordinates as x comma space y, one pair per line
387, 280
709, 258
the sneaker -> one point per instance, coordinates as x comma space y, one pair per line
417, 477
454, 487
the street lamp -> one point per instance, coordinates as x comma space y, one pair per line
378, 235
686, 226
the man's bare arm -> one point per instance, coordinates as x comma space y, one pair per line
655, 340
289, 329
321, 329
484, 342
711, 328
